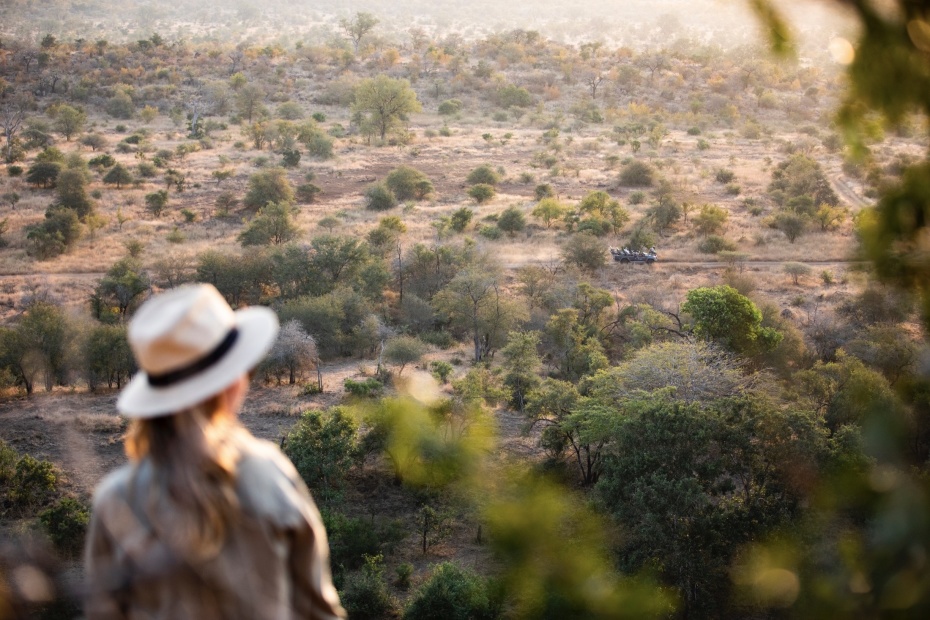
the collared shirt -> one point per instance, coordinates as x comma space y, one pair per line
274, 563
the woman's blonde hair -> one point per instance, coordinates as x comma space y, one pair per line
191, 499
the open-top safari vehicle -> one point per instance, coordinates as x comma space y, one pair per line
633, 256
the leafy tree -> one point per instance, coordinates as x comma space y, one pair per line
272, 225
357, 27
475, 303
249, 102
450, 107
482, 192
107, 357
46, 334
511, 221
241, 279
830, 218
548, 210
386, 101
522, 365
156, 202
95, 141
365, 595
72, 192
800, 177
379, 197
56, 234
404, 350
270, 185
792, 224
408, 183
118, 175
120, 291
322, 446
43, 174
724, 315
584, 251
69, 121
572, 349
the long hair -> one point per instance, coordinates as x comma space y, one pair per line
191, 500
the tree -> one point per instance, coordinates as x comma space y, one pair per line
408, 183
72, 192
118, 175
801, 177
522, 365
358, 27
156, 202
453, 593
120, 291
249, 101
270, 185
272, 225
404, 350
95, 141
637, 174
56, 234
322, 446
548, 210
293, 355
13, 110
386, 101
475, 303
796, 270
69, 121
511, 221
792, 224
107, 357
43, 174
46, 334
723, 315
585, 251
460, 219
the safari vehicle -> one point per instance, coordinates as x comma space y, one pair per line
632, 256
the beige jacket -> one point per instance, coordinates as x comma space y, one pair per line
274, 565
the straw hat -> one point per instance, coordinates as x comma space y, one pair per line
190, 345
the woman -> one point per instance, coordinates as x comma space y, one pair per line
205, 522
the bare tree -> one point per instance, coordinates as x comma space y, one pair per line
293, 354
13, 110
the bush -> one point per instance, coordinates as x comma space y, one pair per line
450, 106
266, 186
14, 171
156, 202
482, 192
724, 176
368, 388
483, 174
66, 525
460, 219
55, 235
32, 484
365, 596
451, 593
511, 221
637, 174
306, 193
408, 183
102, 161
379, 197
323, 447
715, 243
272, 225
585, 251
490, 232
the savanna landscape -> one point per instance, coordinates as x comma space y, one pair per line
494, 416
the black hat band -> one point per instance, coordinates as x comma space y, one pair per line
176, 376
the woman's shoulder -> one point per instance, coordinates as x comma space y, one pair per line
268, 485
114, 485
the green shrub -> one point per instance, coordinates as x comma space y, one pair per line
450, 106
365, 596
714, 244
482, 192
408, 183
483, 174
724, 176
379, 197
369, 388
323, 446
451, 593
66, 525
14, 171
102, 161
306, 193
490, 232
403, 572
31, 486
441, 370
511, 221
637, 174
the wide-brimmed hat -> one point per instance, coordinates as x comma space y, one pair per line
190, 345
